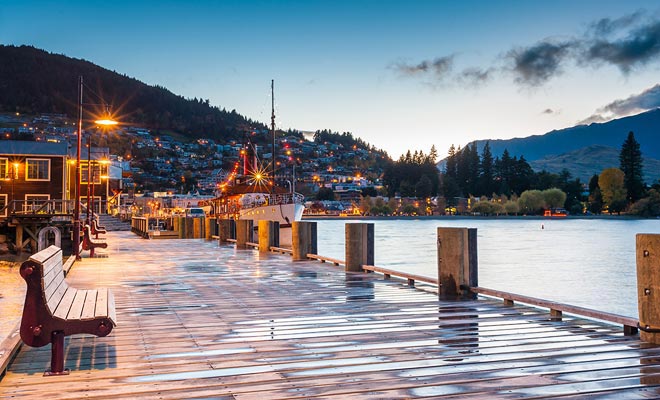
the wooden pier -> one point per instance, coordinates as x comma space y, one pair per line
202, 320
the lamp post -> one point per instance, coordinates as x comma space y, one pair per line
76, 208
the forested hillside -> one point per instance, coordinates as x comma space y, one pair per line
34, 81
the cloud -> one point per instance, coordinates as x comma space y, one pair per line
640, 47
535, 65
476, 76
627, 42
647, 100
440, 67
608, 26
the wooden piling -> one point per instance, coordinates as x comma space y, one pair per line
243, 233
224, 230
648, 286
198, 227
457, 262
208, 228
359, 246
268, 235
303, 240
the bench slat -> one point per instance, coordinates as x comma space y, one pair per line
45, 254
112, 313
77, 305
53, 276
63, 308
89, 308
54, 300
101, 302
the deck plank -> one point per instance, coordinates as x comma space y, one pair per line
201, 321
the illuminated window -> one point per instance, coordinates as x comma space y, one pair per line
4, 168
37, 169
97, 172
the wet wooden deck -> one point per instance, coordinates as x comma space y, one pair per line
201, 321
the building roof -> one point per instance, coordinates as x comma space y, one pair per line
20, 147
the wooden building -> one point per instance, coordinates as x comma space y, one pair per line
32, 173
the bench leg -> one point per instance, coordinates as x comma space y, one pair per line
57, 355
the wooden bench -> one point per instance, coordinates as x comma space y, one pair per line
97, 229
89, 243
53, 309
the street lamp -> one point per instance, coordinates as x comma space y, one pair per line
76, 208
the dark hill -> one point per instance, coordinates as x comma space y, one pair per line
585, 162
646, 127
34, 81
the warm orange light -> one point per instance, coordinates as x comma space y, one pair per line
105, 122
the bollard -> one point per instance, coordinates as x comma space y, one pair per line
303, 240
359, 246
208, 228
457, 263
268, 235
648, 286
224, 230
182, 227
175, 224
198, 228
243, 233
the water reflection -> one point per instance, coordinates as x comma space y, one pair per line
359, 288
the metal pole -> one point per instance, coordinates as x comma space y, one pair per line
89, 173
76, 206
272, 125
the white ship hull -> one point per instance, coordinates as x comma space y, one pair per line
285, 214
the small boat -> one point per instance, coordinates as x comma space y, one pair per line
254, 194
555, 212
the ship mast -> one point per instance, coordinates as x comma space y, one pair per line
272, 126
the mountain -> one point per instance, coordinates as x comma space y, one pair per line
585, 150
588, 161
646, 127
33, 81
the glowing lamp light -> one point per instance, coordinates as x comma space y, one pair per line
106, 122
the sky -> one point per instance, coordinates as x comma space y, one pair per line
401, 75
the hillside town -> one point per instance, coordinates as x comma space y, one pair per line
136, 163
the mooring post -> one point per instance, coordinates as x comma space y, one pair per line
224, 230
208, 228
648, 286
303, 240
243, 233
198, 227
457, 262
359, 246
182, 227
268, 235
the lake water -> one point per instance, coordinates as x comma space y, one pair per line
585, 262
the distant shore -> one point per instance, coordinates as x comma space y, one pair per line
458, 217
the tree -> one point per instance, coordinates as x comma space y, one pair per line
630, 159
648, 206
424, 187
486, 169
595, 196
365, 205
554, 198
611, 182
531, 202
325, 193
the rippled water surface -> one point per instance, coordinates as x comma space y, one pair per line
585, 262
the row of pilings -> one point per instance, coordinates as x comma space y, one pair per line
456, 254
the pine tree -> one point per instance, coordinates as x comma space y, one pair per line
630, 159
486, 185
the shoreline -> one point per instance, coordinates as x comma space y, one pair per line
460, 217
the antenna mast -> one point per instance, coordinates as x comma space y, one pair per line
272, 124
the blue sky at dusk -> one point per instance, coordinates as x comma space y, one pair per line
398, 74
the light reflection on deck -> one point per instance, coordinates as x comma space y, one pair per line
199, 320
